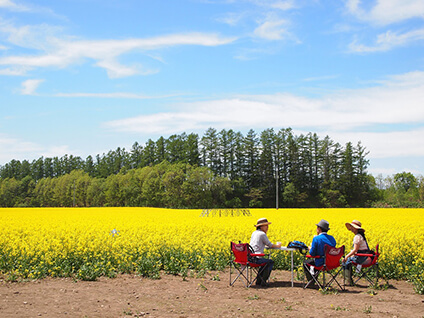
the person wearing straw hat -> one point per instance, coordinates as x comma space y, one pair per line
317, 247
258, 241
360, 245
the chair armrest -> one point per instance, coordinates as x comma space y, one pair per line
258, 254
368, 255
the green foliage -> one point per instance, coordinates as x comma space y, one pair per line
221, 169
403, 190
148, 267
416, 275
367, 309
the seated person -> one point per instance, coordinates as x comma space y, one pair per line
360, 245
317, 247
258, 241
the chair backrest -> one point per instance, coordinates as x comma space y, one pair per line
241, 252
333, 256
376, 255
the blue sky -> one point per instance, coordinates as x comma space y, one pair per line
84, 77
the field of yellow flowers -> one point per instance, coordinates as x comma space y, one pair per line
86, 243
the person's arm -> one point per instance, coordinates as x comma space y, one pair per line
278, 245
352, 252
268, 243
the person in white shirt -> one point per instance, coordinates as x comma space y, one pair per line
258, 241
360, 245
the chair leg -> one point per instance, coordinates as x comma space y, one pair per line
334, 279
314, 279
258, 279
366, 274
376, 274
323, 279
240, 274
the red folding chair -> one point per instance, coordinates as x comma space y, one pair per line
365, 269
332, 266
247, 270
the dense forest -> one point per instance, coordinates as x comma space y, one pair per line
219, 169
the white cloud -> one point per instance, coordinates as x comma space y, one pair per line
114, 95
232, 18
272, 29
347, 115
54, 51
30, 86
56, 151
387, 41
383, 13
386, 12
12, 148
386, 144
18, 149
14, 71
275, 4
8, 4
320, 78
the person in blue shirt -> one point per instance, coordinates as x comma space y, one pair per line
317, 246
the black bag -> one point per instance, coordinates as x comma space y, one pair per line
300, 246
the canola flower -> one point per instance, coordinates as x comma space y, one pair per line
90, 242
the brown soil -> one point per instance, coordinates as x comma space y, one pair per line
172, 296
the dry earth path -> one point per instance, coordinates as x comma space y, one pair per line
172, 296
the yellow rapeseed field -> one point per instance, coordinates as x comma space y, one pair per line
89, 242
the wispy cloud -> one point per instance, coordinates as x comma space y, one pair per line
268, 16
18, 149
30, 86
387, 41
275, 4
114, 95
273, 28
53, 51
14, 71
232, 18
395, 101
11, 5
13, 148
386, 12
320, 78
387, 144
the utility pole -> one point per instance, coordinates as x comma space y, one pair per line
276, 187
74, 194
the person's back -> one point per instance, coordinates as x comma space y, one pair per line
318, 244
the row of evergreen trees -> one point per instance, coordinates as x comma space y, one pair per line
304, 170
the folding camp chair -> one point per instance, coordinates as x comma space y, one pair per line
365, 269
332, 256
247, 270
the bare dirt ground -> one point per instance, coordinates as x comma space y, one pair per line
172, 296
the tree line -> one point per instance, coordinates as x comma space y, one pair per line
219, 169
400, 190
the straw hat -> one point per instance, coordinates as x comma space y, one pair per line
354, 224
262, 221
